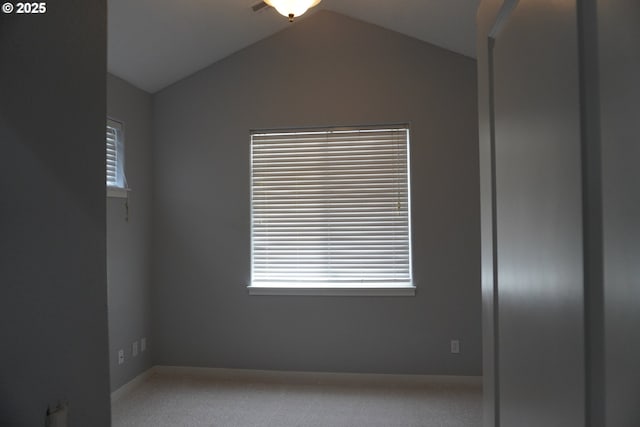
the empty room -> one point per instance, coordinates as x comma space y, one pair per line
320, 213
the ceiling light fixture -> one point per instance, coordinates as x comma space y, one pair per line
292, 8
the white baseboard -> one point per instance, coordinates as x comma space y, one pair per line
134, 383
326, 378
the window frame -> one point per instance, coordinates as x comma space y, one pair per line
370, 289
120, 190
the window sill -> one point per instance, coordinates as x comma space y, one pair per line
387, 291
118, 192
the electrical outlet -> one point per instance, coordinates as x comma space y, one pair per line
455, 346
143, 344
120, 357
134, 349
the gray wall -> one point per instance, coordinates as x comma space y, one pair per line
619, 66
531, 124
325, 70
53, 306
560, 211
538, 209
129, 235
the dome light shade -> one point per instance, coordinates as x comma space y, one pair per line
292, 8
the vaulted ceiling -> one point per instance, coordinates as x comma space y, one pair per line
154, 43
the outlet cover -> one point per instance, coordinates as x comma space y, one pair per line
455, 346
134, 349
120, 357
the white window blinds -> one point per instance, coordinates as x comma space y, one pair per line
115, 155
330, 208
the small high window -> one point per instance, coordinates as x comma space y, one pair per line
330, 211
115, 178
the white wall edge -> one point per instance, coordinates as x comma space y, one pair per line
328, 378
131, 385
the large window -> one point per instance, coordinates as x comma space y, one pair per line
116, 181
330, 210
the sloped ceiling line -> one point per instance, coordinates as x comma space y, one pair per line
155, 43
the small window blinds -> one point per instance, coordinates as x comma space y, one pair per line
115, 155
330, 208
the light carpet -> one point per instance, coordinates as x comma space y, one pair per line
186, 400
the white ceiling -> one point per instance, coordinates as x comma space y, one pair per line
154, 43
